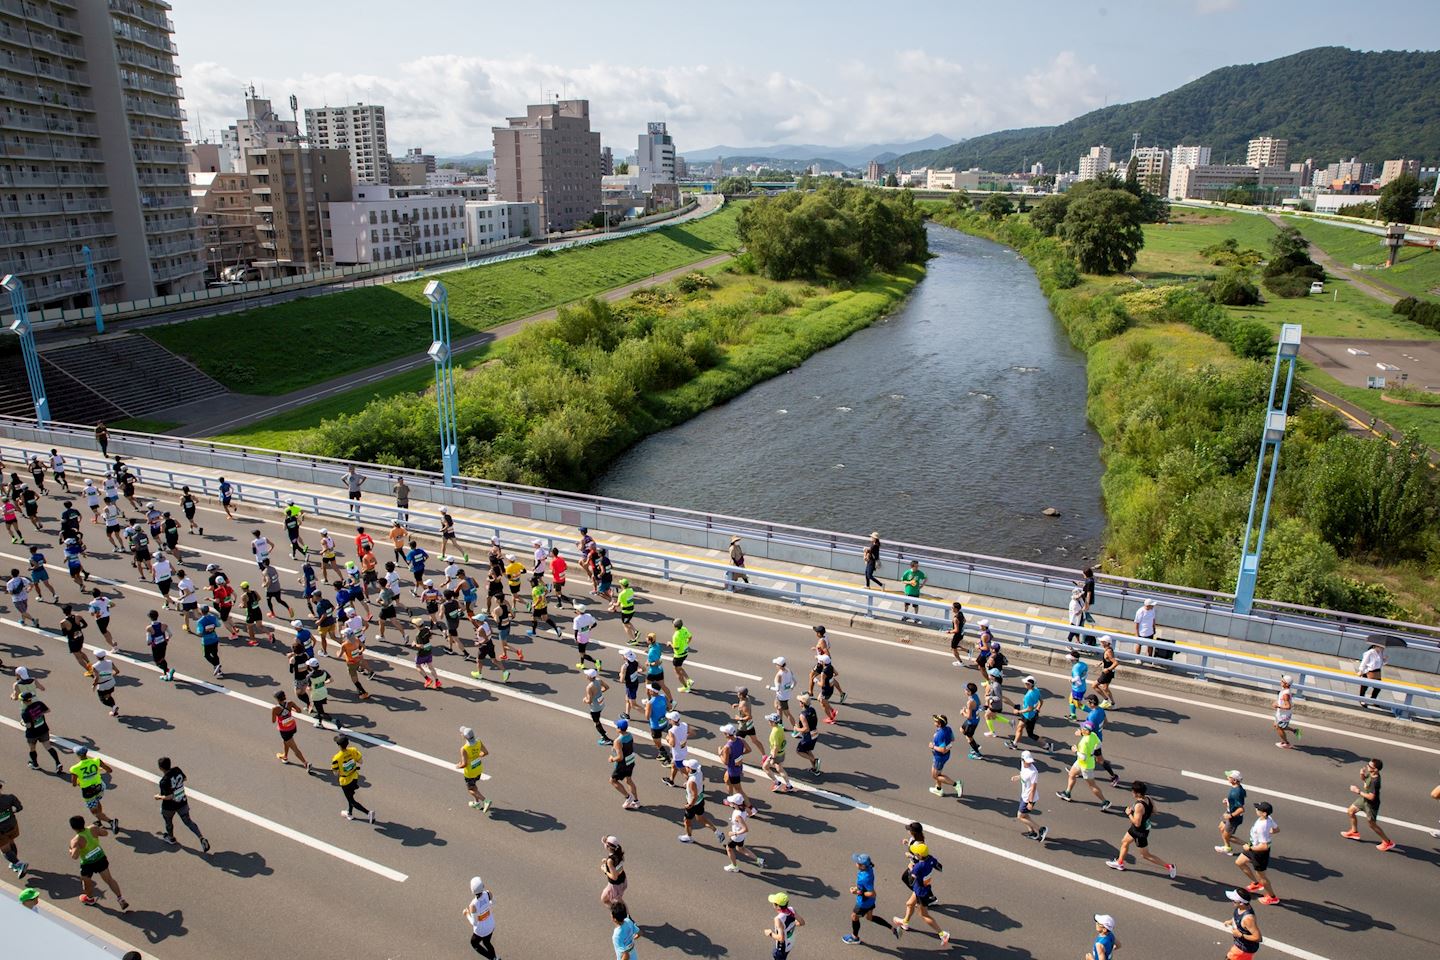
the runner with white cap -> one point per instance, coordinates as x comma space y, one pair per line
595, 688
741, 810
1029, 778
1255, 861
1284, 712
784, 686
1105, 942
695, 804
480, 914
1232, 812
1243, 926
677, 738
583, 623
102, 679
472, 765
773, 762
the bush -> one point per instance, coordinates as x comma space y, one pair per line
1371, 499
1234, 288
1424, 312
1065, 273
1288, 286
694, 282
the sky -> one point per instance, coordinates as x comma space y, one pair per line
839, 72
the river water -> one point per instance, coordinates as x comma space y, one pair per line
952, 423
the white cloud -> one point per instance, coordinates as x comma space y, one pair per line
448, 103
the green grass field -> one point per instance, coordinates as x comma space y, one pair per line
1423, 420
292, 345
1172, 250
144, 425
1416, 270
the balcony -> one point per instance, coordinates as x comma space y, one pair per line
171, 248
143, 35
173, 155
45, 15
43, 124
47, 151
140, 81
143, 13
175, 180
185, 268
151, 131
153, 108
47, 41
47, 263
156, 227
166, 201
57, 72
136, 57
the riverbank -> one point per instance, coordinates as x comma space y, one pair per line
1178, 415
567, 396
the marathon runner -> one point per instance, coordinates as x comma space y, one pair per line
472, 765
85, 847
695, 804
864, 891
283, 716
1141, 813
174, 802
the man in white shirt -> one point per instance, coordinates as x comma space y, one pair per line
1029, 778
1145, 627
584, 622
783, 685
1372, 662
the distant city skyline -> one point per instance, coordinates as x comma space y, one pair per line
959, 69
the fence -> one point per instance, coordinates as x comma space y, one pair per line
1329, 633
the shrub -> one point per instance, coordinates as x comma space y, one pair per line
694, 282
1369, 498
1289, 286
1424, 312
1234, 288
1065, 273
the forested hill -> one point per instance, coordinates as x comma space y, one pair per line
1330, 102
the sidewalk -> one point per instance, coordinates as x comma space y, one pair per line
205, 418
775, 574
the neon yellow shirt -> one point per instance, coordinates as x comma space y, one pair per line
346, 765
87, 772
1086, 749
680, 642
474, 765
777, 742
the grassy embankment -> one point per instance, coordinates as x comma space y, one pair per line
1179, 415
276, 349
565, 397
1416, 270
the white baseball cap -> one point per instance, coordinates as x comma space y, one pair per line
728, 728
579, 608
1029, 679
590, 672
673, 716
1106, 921
778, 661
984, 623
476, 885
735, 800
296, 624
1027, 757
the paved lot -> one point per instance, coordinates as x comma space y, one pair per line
287, 874
1352, 360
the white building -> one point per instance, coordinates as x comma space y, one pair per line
1152, 169
1094, 163
1267, 152
387, 223
359, 128
492, 222
261, 129
1270, 184
1183, 156
654, 157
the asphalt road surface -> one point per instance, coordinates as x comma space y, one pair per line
289, 876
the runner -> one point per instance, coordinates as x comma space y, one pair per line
170, 530
695, 804
584, 622
558, 567
1232, 812
1029, 779
1142, 814
1096, 717
741, 810
1284, 714
283, 716
1255, 861
1243, 926
328, 555
994, 701
37, 729
57, 464
585, 548
922, 869
807, 732
1079, 680
654, 665
472, 765
352, 650
604, 575
480, 912
254, 615
625, 606
940, 745
292, 519
630, 677
1087, 742
398, 536
273, 593
208, 627
732, 753
1367, 801
864, 891
19, 590
784, 685
595, 689
72, 627
89, 775
773, 761
346, 764
913, 580
424, 657
626, 932
100, 609
85, 847
37, 470
447, 534
174, 802
40, 577
514, 570
540, 607
25, 682
783, 926
300, 653
957, 635
164, 579
114, 523
1105, 942
612, 868
102, 680
970, 719
187, 506
677, 743
657, 712
485, 649
224, 596
69, 520
157, 638
679, 650
319, 680
1027, 712
326, 623
10, 805
12, 521
822, 649
74, 548
745, 720
622, 772
825, 672
92, 500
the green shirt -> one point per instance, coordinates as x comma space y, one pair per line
92, 850
626, 600
913, 580
86, 772
1086, 748
681, 641
777, 742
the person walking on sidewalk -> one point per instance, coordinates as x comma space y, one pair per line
737, 560
871, 556
1367, 801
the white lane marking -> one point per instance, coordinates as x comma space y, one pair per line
263, 823
246, 698
1264, 791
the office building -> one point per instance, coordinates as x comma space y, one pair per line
359, 129
292, 187
607, 162
390, 222
92, 152
1394, 169
1266, 184
1196, 156
654, 157
407, 173
874, 171
1152, 169
492, 222
681, 169
261, 128
1094, 163
1267, 152
550, 157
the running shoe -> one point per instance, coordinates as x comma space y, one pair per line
956, 663
1170, 869
505, 676
1283, 745
685, 838
719, 836
485, 807
1225, 850
849, 938
1031, 835
35, 766
974, 754
372, 816
1386, 846
1044, 832
347, 815
1254, 887
731, 868
21, 868
124, 904
938, 791
204, 845
760, 862
1351, 835
1065, 795
475, 674
474, 804
1270, 901
944, 938
959, 790
1105, 806
88, 900
1115, 865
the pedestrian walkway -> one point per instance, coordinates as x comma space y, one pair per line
778, 576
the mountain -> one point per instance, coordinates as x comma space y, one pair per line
1330, 102
474, 156
805, 152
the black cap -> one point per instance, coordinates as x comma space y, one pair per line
1264, 807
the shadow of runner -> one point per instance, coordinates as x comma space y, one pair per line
409, 836
690, 942
529, 821
143, 724
156, 926
985, 916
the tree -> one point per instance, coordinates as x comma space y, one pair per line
734, 185
1043, 182
1102, 229
1289, 242
997, 206
622, 168
1049, 213
891, 180
1234, 287
1398, 199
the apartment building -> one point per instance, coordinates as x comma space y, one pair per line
1190, 156
92, 152
292, 188
1267, 152
261, 128
551, 157
654, 157
1394, 169
226, 220
358, 129
390, 222
874, 171
490, 222
1271, 184
1094, 163
1152, 169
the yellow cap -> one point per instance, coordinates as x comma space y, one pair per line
781, 899
920, 849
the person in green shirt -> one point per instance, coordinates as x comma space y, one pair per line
625, 606
912, 580
89, 775
85, 847
679, 650
1084, 767
540, 607
773, 762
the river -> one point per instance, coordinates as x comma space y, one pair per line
954, 423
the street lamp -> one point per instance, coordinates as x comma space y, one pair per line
1287, 352
20, 326
439, 352
94, 289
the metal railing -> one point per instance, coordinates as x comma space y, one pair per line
1310, 682
949, 571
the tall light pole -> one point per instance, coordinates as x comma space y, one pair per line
444, 377
94, 289
1287, 352
20, 326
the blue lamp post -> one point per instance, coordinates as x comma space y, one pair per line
1286, 353
94, 290
20, 326
444, 377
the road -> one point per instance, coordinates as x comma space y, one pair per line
288, 873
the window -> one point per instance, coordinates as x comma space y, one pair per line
372, 216
374, 236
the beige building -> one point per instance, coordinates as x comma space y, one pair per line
1152, 169
1267, 152
292, 187
226, 219
407, 173
874, 172
262, 127
1271, 184
550, 157
1094, 163
359, 129
92, 152
1394, 169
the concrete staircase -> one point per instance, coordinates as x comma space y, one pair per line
70, 400
133, 374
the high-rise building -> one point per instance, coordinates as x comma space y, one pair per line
1152, 169
654, 158
1094, 163
607, 162
1394, 169
681, 169
1267, 152
262, 127
550, 157
874, 171
92, 152
292, 187
1183, 156
358, 129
